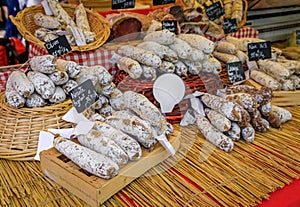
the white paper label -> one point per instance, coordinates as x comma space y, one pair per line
73, 116
196, 104
64, 133
187, 119
79, 36
47, 9
168, 90
166, 144
84, 127
45, 142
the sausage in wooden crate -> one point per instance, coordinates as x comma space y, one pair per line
89, 160
104, 145
131, 147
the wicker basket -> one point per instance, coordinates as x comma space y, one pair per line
24, 21
20, 128
205, 83
244, 19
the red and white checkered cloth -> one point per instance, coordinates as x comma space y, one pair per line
100, 56
244, 32
86, 58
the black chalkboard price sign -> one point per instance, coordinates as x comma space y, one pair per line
214, 11
58, 46
162, 2
298, 37
235, 72
170, 25
83, 96
230, 25
122, 4
259, 50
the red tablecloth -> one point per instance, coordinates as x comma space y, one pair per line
289, 196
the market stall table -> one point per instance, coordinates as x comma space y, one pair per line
202, 175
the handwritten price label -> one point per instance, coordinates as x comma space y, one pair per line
214, 11
122, 4
170, 25
162, 2
83, 96
229, 26
58, 46
259, 50
235, 72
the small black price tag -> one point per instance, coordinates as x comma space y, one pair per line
58, 46
214, 11
235, 72
83, 96
162, 2
259, 50
230, 25
298, 37
122, 4
170, 25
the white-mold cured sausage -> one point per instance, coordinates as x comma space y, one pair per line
143, 56
162, 51
234, 132
42, 84
96, 141
35, 100
59, 77
199, 42
182, 48
145, 109
213, 135
164, 37
13, 98
130, 66
218, 120
44, 63
89, 160
59, 96
138, 128
127, 143
21, 83
231, 110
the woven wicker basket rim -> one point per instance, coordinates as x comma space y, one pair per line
101, 35
20, 128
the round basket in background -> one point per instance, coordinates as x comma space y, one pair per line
24, 21
20, 128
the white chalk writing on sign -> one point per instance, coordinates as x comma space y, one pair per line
259, 50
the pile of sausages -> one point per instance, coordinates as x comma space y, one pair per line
47, 81
118, 138
50, 27
164, 52
241, 111
278, 73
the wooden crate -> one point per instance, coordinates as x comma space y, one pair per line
281, 98
92, 189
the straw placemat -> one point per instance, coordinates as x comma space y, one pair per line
202, 176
